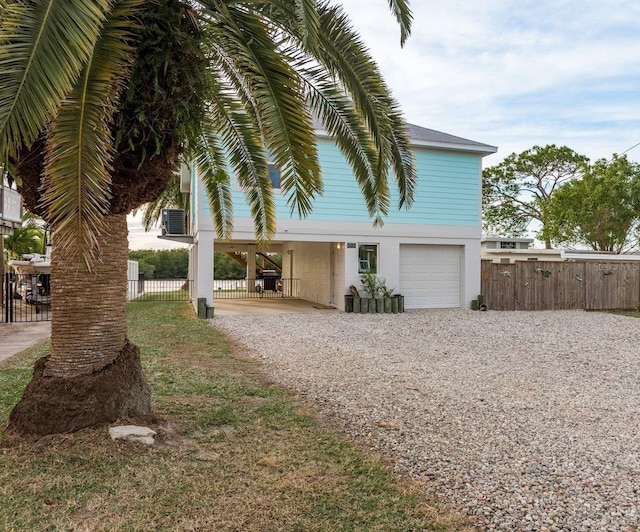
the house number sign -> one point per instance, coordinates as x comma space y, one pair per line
351, 244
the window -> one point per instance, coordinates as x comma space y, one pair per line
274, 175
507, 245
367, 258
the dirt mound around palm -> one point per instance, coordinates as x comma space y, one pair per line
52, 405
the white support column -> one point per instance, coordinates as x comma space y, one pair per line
204, 267
251, 268
471, 287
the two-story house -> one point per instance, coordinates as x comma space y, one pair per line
429, 253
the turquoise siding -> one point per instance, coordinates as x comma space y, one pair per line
447, 192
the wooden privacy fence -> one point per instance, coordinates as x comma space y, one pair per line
539, 285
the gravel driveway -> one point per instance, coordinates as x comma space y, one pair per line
524, 420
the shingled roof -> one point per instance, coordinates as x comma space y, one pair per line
423, 136
431, 136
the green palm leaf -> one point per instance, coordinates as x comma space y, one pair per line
240, 137
80, 144
400, 9
43, 46
351, 136
403, 159
344, 55
307, 11
210, 160
277, 98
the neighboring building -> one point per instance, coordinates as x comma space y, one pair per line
10, 219
429, 253
10, 210
505, 250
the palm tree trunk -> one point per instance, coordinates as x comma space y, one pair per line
93, 375
88, 319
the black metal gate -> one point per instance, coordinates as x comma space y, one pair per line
264, 287
160, 289
26, 298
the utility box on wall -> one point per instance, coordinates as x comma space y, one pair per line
173, 222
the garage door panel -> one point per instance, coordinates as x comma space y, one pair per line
430, 276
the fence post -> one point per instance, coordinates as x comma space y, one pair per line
5, 299
141, 279
8, 297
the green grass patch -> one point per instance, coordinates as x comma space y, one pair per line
630, 313
232, 453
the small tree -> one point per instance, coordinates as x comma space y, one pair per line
26, 239
601, 210
516, 192
29, 238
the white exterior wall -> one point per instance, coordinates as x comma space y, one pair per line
338, 274
318, 248
315, 243
312, 266
326, 272
389, 262
201, 251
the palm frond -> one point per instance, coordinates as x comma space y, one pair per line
80, 143
307, 11
403, 159
303, 14
402, 12
43, 47
344, 55
221, 204
212, 167
240, 137
351, 136
279, 103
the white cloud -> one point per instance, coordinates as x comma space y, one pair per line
514, 73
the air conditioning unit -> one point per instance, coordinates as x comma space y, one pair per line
173, 222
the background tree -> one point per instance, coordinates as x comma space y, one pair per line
225, 267
516, 192
100, 99
26, 239
164, 263
601, 210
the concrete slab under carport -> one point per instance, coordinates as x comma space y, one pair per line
240, 307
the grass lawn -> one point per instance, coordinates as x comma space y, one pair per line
232, 453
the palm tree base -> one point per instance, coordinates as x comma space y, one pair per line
52, 405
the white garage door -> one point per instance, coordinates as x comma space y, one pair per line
430, 276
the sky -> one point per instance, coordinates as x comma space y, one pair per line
509, 73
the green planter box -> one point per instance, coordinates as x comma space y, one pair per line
348, 303
366, 305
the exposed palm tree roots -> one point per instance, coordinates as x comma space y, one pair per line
53, 405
